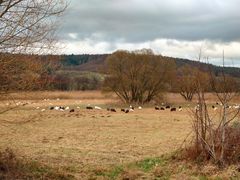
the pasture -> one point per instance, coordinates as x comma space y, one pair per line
85, 140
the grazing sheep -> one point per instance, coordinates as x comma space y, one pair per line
173, 109
213, 106
78, 107
37, 107
98, 108
180, 108
72, 110
197, 107
67, 108
24, 104
131, 110
139, 107
52, 108
113, 110
57, 108
162, 108
123, 110
43, 110
127, 111
131, 107
236, 106
62, 108
157, 108
89, 107
168, 107
217, 103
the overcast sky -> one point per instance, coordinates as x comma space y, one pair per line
175, 28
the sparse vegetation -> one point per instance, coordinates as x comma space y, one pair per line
12, 167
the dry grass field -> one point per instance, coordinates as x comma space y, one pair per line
86, 140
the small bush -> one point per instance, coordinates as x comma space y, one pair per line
12, 167
232, 147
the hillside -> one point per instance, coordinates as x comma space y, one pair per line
95, 63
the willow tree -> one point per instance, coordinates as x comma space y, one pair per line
138, 77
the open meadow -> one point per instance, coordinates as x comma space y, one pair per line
85, 142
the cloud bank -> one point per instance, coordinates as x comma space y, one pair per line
169, 27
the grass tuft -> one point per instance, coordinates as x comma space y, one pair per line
149, 163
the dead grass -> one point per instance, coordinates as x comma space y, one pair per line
97, 144
53, 95
86, 139
13, 167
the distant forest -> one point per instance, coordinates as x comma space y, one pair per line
94, 63
79, 72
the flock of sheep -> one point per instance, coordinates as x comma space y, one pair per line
125, 110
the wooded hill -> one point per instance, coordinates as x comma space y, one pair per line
95, 63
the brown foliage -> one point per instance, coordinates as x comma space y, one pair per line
187, 81
213, 133
138, 77
26, 26
232, 147
25, 72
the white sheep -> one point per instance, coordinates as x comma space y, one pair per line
98, 108
57, 108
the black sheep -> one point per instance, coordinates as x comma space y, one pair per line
113, 110
157, 108
89, 107
173, 109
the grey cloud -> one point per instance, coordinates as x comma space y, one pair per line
143, 20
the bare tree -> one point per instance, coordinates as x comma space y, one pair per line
26, 27
186, 82
210, 131
138, 77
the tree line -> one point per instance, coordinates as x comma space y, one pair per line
134, 76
